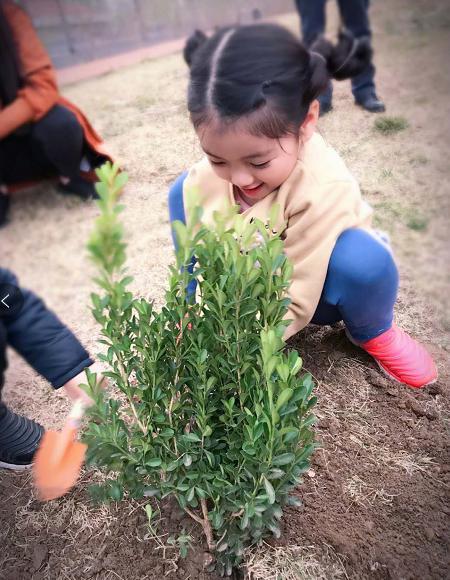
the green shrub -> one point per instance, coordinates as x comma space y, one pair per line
390, 125
211, 410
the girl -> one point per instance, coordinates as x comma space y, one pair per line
253, 103
42, 135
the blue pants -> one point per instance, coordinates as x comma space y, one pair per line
355, 17
361, 283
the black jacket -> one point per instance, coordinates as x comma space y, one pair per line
38, 335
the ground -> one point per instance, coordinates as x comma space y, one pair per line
376, 499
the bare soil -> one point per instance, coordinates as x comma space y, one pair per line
376, 501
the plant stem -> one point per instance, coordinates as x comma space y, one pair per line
207, 525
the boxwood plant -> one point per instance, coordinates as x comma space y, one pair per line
206, 406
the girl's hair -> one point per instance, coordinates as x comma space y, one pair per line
264, 74
9, 68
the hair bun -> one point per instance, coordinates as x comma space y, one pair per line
348, 58
193, 43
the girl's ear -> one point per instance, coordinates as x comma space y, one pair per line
309, 124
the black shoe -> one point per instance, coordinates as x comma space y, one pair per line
4, 209
19, 439
372, 104
79, 186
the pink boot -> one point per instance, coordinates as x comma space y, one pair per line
402, 358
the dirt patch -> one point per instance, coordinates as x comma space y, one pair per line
376, 500
379, 486
75, 538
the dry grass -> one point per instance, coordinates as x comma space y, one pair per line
293, 563
67, 515
364, 494
408, 462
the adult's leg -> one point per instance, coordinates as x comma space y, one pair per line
355, 16
312, 22
312, 19
58, 139
19, 162
53, 147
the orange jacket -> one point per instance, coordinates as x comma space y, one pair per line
39, 92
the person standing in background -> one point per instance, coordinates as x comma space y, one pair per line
355, 17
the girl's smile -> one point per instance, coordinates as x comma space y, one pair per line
256, 165
252, 191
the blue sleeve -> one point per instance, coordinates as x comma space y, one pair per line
38, 335
177, 213
176, 203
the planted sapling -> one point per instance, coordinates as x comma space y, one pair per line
207, 407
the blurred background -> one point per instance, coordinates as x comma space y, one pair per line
79, 31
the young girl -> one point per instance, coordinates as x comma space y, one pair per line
253, 103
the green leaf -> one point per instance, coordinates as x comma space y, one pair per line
269, 490
167, 433
310, 420
283, 459
191, 437
116, 492
276, 474
284, 397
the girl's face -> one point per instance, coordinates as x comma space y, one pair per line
255, 165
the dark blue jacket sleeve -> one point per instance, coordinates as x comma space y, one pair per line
38, 335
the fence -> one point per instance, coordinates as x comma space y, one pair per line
77, 31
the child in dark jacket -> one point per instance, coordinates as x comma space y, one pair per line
38, 335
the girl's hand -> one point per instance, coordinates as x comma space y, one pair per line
75, 392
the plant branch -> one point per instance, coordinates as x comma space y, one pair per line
205, 523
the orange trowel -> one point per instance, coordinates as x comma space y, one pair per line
58, 460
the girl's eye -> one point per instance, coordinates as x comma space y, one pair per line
216, 162
260, 165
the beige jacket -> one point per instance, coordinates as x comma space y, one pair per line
318, 201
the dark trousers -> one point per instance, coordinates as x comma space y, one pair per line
355, 17
53, 146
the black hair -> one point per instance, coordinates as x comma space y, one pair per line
9, 68
264, 73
